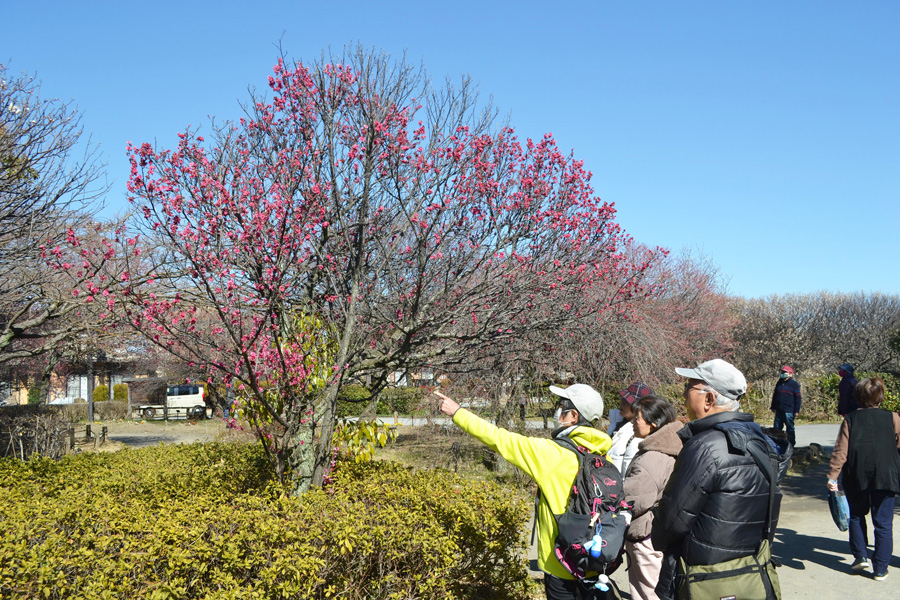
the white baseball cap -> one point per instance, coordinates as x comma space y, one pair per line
586, 399
720, 375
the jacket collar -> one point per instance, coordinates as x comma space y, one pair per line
710, 422
663, 440
593, 439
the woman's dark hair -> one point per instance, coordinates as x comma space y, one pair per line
869, 393
655, 410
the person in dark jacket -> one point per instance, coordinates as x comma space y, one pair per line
846, 401
786, 402
865, 454
717, 501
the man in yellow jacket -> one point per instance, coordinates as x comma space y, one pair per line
551, 466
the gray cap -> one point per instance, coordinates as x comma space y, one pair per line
720, 375
586, 399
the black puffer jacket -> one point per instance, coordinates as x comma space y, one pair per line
715, 505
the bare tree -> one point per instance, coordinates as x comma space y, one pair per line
816, 332
51, 183
683, 316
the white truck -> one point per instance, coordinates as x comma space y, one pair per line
182, 402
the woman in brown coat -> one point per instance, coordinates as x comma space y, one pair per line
654, 421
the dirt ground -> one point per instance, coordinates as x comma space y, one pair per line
137, 434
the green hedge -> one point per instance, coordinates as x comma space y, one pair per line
208, 521
353, 399
402, 400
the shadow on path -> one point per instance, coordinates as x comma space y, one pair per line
795, 549
809, 484
140, 441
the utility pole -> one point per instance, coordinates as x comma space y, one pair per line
90, 387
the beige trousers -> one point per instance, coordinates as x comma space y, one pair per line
644, 564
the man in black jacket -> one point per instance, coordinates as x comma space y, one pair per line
786, 402
716, 504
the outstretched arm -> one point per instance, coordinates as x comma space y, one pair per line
536, 456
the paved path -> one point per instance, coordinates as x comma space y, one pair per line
814, 553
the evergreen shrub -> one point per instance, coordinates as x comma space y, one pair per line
120, 392
208, 521
101, 393
400, 399
352, 400
34, 395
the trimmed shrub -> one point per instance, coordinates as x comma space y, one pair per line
103, 411
208, 521
400, 399
109, 411
101, 393
120, 392
352, 400
34, 395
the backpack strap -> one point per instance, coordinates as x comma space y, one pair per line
759, 450
567, 443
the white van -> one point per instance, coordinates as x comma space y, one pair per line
182, 402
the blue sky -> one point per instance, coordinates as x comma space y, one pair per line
764, 134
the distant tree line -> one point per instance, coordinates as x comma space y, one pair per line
817, 332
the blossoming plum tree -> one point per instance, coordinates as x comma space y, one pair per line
362, 221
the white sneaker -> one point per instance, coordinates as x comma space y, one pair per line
861, 564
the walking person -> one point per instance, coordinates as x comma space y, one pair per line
624, 442
550, 465
865, 455
847, 385
719, 504
656, 427
786, 402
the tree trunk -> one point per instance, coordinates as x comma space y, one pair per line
301, 460
45, 378
325, 417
